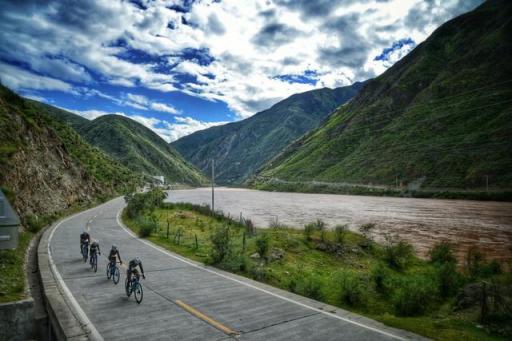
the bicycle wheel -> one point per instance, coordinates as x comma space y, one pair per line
138, 292
127, 287
116, 276
109, 271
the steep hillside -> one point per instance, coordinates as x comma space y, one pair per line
242, 147
139, 149
75, 121
439, 118
45, 166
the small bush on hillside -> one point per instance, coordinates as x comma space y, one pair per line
442, 253
146, 227
262, 246
490, 269
144, 202
308, 231
398, 254
220, 244
312, 227
354, 289
34, 223
381, 275
340, 233
275, 224
474, 262
449, 280
235, 263
414, 295
311, 287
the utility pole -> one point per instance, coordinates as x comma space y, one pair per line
213, 185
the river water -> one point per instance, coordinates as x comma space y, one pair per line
422, 222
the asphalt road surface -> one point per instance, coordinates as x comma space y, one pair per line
422, 222
184, 300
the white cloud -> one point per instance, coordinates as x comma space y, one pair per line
250, 43
18, 79
143, 103
186, 126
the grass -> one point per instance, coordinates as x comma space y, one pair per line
12, 281
356, 275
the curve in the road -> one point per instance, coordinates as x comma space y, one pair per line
186, 300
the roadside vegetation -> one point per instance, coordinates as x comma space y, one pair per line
437, 298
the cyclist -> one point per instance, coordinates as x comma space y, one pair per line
84, 236
132, 269
95, 247
114, 252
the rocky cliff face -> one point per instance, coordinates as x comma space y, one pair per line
39, 168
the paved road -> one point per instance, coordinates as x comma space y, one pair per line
255, 311
422, 222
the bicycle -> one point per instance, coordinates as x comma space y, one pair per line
113, 271
135, 287
94, 260
85, 250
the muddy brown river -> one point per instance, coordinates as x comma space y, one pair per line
422, 222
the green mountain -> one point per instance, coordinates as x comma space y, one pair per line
46, 166
139, 149
240, 148
439, 118
75, 121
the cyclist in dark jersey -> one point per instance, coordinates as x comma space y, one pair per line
84, 236
94, 248
114, 254
132, 269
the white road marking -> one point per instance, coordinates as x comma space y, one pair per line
120, 223
94, 334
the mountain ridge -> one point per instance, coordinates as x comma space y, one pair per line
405, 127
239, 148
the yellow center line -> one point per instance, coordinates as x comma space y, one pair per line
207, 319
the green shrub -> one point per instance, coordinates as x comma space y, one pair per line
442, 253
317, 225
34, 223
236, 262
220, 244
354, 289
311, 287
259, 272
275, 224
414, 295
474, 262
449, 280
381, 275
262, 245
490, 269
146, 227
308, 230
340, 233
398, 254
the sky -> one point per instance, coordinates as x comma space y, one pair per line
178, 66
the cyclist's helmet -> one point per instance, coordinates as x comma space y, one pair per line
137, 259
114, 247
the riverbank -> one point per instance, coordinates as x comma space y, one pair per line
384, 282
333, 188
